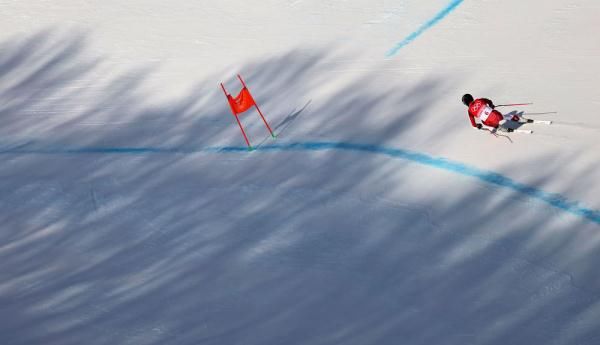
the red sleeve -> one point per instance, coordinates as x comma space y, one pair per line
472, 118
488, 101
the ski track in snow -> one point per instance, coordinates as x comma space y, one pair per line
556, 200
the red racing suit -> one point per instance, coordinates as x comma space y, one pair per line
483, 109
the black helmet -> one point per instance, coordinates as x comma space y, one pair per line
467, 99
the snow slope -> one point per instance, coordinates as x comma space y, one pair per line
131, 213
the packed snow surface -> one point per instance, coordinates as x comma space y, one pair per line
131, 211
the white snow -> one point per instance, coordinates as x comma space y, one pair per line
123, 220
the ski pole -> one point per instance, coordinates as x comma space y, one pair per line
513, 104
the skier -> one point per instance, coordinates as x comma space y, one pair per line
483, 110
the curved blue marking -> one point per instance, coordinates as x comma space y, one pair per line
556, 200
438, 17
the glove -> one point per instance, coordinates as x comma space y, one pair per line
510, 130
478, 126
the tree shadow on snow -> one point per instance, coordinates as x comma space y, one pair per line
188, 247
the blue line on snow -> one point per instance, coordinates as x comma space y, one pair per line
555, 200
441, 15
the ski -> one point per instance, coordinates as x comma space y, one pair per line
525, 131
494, 131
539, 122
542, 122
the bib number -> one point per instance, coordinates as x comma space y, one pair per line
485, 112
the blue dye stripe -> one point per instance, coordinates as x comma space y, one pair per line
556, 200
433, 21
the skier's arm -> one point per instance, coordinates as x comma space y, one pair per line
473, 123
489, 102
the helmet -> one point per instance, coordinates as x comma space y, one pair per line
467, 99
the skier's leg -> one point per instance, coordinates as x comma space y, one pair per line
505, 129
495, 120
516, 118
502, 126
508, 117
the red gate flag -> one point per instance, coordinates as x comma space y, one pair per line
242, 102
